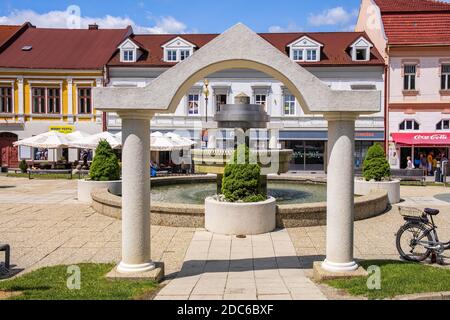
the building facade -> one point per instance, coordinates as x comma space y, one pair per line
46, 78
414, 38
344, 61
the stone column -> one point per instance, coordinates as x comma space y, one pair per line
136, 248
340, 193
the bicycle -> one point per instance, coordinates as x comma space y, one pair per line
417, 239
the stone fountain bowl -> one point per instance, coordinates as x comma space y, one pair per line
215, 160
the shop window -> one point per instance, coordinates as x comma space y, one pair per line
409, 125
443, 125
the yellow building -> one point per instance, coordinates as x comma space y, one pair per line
46, 78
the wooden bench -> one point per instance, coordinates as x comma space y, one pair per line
50, 171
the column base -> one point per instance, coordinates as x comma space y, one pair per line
321, 274
156, 274
135, 268
339, 267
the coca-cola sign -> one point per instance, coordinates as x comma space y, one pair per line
433, 137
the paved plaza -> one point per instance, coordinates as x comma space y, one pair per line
45, 225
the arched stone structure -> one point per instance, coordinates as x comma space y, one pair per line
238, 47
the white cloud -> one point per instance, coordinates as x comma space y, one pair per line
291, 27
331, 17
71, 18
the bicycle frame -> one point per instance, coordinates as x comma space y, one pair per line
434, 245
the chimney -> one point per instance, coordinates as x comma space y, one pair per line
93, 26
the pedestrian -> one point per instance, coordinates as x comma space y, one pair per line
430, 163
410, 165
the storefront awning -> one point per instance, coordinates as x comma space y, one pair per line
421, 139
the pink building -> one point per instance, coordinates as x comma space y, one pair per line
414, 38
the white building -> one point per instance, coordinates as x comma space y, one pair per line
343, 60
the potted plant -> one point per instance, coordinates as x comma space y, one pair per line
376, 175
242, 208
104, 173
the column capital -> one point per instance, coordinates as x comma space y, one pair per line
136, 114
341, 116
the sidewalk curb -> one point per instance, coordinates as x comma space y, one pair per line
424, 296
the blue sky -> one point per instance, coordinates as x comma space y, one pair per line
171, 16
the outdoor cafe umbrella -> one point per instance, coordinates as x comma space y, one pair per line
182, 140
91, 142
77, 135
47, 140
167, 142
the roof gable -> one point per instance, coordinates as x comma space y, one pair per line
305, 41
361, 42
178, 42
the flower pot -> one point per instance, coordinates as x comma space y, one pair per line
85, 188
240, 218
363, 188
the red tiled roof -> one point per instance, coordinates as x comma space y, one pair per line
334, 52
415, 22
391, 6
7, 32
414, 29
63, 48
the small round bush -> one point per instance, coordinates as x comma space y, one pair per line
23, 166
105, 166
375, 166
241, 179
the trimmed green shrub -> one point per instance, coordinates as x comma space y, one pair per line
375, 166
23, 166
105, 166
241, 179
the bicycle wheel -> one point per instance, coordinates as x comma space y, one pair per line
408, 244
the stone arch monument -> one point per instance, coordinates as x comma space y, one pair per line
238, 47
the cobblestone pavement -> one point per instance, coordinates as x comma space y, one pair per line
375, 238
45, 225
262, 267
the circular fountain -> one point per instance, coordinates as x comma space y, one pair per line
241, 218
241, 117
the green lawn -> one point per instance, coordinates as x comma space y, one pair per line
51, 284
44, 176
397, 278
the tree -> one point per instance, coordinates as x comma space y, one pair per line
375, 166
105, 166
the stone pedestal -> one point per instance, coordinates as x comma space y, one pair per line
136, 256
340, 193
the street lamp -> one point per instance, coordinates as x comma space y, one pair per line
206, 93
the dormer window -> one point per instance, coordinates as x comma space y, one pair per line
172, 55
177, 50
360, 50
128, 55
305, 49
129, 51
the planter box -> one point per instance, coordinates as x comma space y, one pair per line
240, 218
363, 188
85, 188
